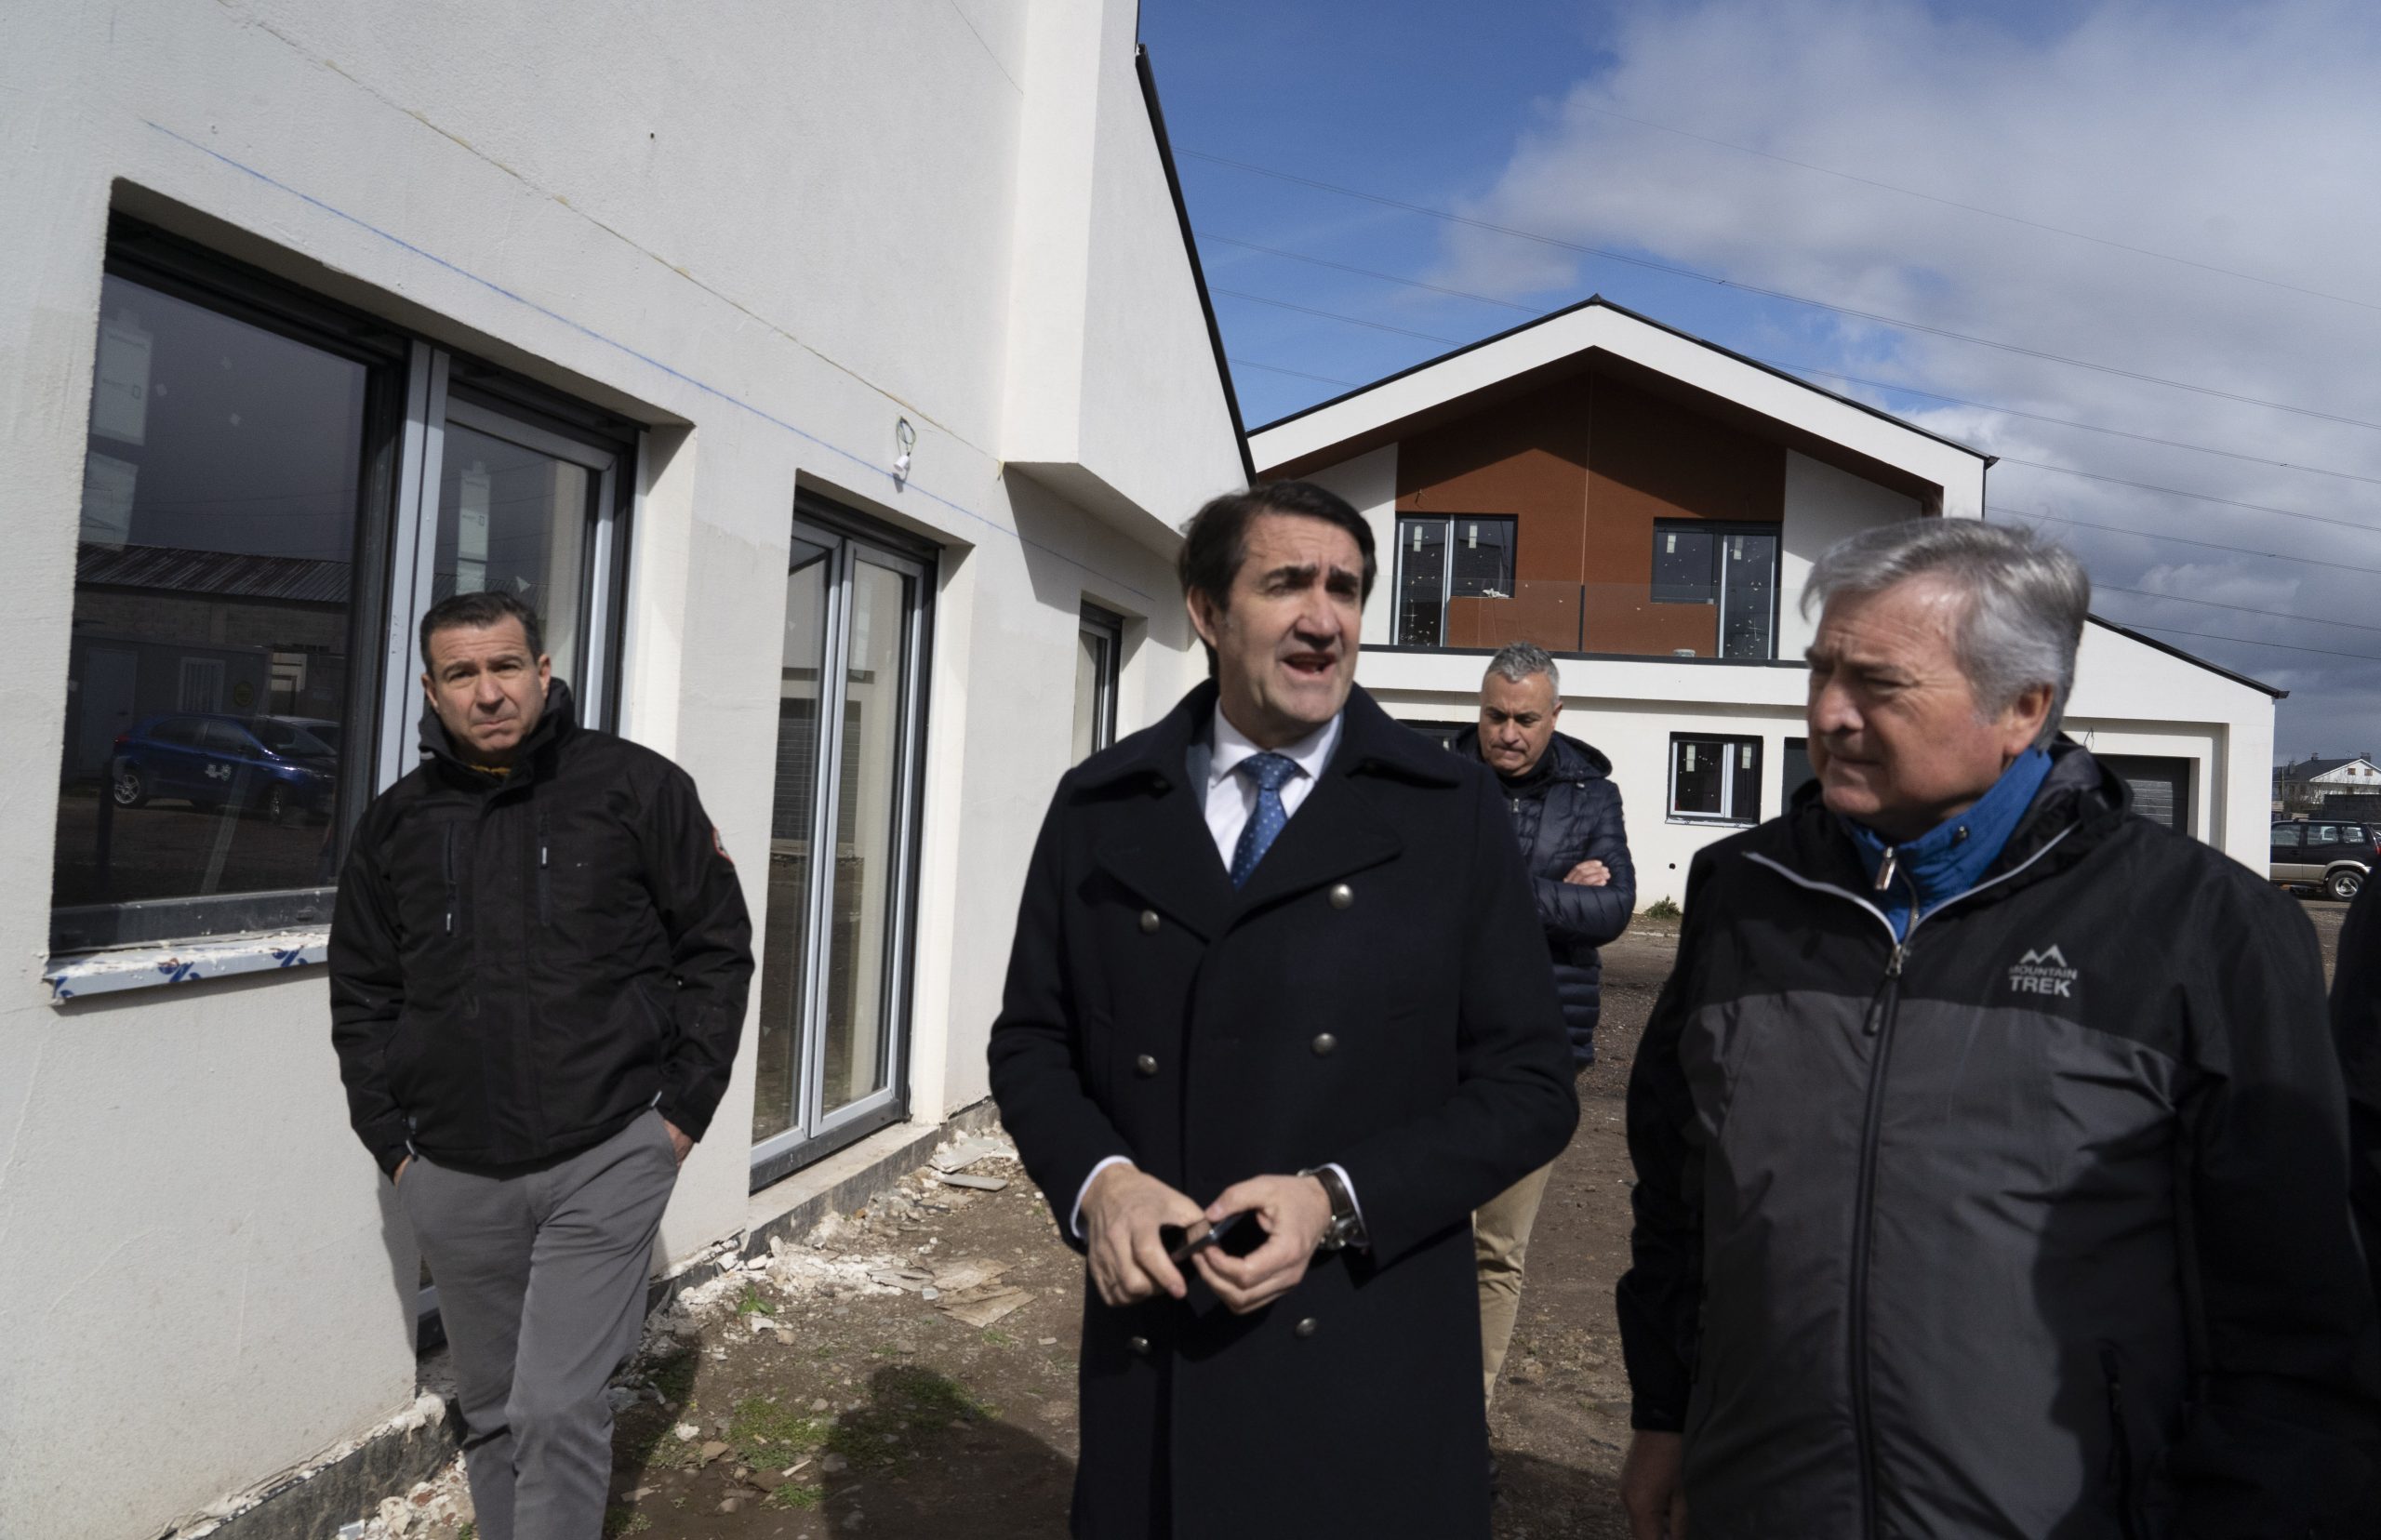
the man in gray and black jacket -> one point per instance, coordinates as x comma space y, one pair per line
538, 968
1991, 1152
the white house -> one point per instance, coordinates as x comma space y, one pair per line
833, 379
2316, 777
1648, 507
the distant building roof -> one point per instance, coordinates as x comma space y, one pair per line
224, 574
2308, 769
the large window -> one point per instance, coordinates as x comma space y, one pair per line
843, 840
274, 489
1715, 779
1731, 567
1099, 651
1444, 558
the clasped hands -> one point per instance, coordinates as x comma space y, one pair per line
1124, 1208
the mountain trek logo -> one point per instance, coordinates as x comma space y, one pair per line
2044, 972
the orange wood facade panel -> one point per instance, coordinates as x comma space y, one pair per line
1586, 466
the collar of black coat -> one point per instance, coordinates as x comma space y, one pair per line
1167, 858
536, 756
1566, 759
2080, 804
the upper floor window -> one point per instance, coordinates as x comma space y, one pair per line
1441, 559
1731, 567
273, 489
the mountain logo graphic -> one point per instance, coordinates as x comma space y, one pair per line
2046, 972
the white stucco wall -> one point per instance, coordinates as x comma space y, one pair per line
767, 232
1823, 505
1369, 482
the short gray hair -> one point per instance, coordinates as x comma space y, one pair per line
1518, 661
2026, 598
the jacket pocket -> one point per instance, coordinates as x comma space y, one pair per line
2124, 1460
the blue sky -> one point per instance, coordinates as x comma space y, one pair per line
2181, 191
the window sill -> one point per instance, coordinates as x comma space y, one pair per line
1710, 822
78, 976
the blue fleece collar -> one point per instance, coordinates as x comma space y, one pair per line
1951, 858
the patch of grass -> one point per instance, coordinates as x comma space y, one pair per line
822, 1354
994, 1337
1661, 909
792, 1496
752, 1302
620, 1520
469, 1531
765, 1434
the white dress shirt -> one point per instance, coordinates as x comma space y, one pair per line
1229, 800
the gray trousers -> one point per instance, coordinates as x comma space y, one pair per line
541, 1282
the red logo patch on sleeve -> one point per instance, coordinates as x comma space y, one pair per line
720, 845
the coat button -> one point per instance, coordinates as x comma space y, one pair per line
1148, 922
1145, 1066
1342, 896
1308, 1327
1323, 1044
1139, 1346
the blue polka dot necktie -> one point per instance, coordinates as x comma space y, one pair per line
1270, 772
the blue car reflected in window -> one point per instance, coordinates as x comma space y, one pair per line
279, 767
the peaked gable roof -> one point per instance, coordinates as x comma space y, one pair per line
1363, 418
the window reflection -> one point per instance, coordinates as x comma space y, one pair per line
512, 519
207, 673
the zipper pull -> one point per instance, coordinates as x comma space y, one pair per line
1888, 868
1893, 964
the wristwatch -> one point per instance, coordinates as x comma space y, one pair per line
1347, 1225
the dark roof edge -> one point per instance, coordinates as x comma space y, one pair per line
1598, 301
2172, 651
1190, 249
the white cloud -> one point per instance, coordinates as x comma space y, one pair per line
2240, 137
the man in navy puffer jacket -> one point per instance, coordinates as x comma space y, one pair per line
1566, 814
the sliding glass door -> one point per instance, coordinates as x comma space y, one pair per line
834, 964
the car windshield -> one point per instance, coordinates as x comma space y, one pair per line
285, 738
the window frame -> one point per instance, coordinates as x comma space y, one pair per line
393, 542
1446, 565
1719, 530
1729, 817
1107, 624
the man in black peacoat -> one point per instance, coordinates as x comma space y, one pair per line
1377, 1000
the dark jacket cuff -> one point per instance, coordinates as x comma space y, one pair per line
1649, 1420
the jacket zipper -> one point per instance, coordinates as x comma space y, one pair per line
1882, 1012
2120, 1441
545, 877
446, 867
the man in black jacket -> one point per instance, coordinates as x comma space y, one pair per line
1566, 814
1275, 956
1991, 1155
538, 969
2356, 1027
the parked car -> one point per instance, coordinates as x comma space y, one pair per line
266, 765
2330, 853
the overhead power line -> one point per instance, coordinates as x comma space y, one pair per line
1301, 374
2251, 641
2069, 422
2178, 540
2098, 587
2201, 497
1675, 270
1335, 315
1978, 208
1779, 363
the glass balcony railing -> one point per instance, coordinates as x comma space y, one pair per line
1626, 619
